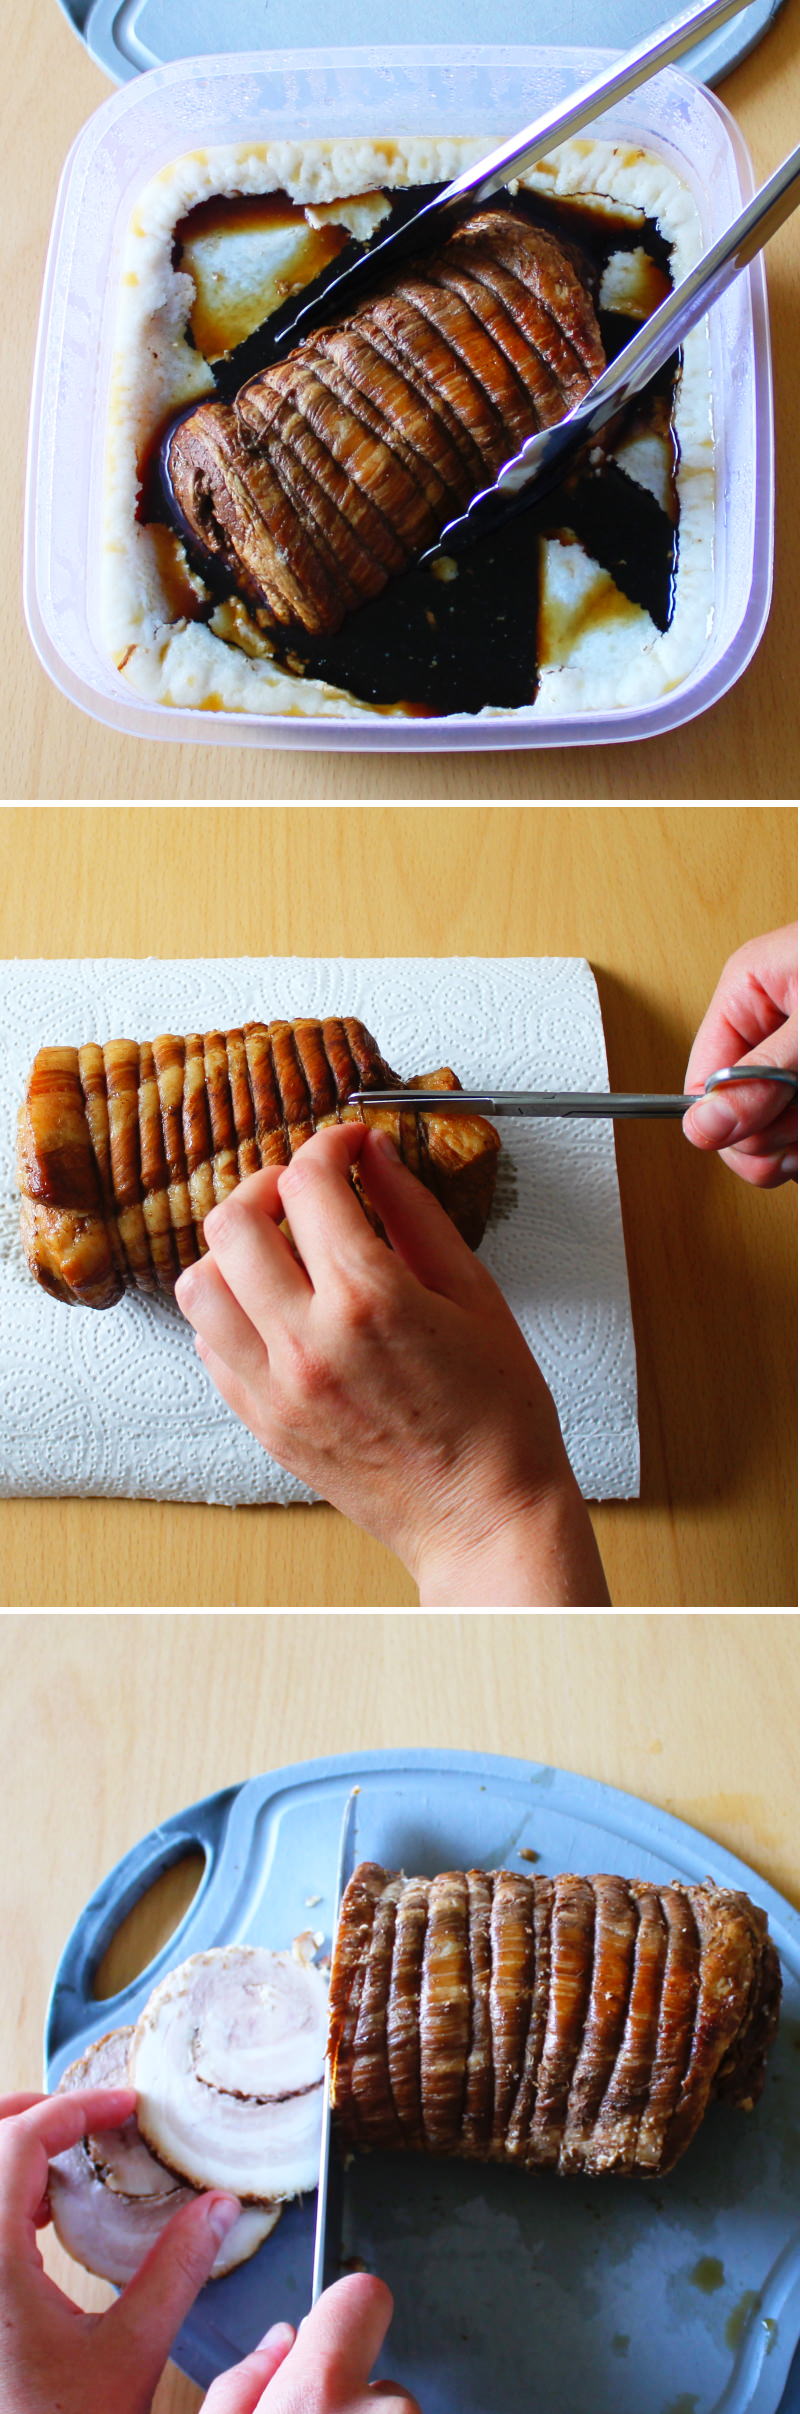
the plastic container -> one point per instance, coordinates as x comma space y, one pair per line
148, 32
397, 91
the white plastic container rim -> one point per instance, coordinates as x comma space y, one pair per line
398, 91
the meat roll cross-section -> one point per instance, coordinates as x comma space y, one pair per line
333, 470
123, 1150
580, 2024
110, 2197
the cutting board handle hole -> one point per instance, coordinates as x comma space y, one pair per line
147, 1928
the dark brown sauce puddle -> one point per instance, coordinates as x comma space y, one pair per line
441, 646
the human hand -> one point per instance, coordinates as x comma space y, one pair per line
55, 2359
326, 2369
754, 1003
393, 1380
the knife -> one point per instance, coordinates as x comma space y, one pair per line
330, 2186
586, 1103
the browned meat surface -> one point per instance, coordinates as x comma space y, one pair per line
123, 1150
333, 470
581, 2024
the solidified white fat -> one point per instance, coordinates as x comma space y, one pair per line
587, 619
643, 456
189, 666
362, 215
615, 657
631, 283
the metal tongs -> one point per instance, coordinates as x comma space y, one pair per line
616, 1103
542, 459
544, 456
342, 293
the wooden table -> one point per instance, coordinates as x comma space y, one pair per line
745, 746
656, 898
106, 1726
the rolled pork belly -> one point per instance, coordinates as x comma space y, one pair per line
228, 2063
124, 1149
110, 2197
331, 471
578, 2024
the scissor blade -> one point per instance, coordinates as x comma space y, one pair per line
526, 1102
330, 2189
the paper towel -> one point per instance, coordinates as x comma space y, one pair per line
116, 1403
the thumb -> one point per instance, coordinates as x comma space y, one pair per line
141, 2327
740, 1108
417, 1225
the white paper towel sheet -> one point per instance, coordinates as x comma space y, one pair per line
116, 1403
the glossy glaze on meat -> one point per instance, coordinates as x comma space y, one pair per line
581, 2024
332, 471
123, 1150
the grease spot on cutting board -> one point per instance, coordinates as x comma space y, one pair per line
707, 2275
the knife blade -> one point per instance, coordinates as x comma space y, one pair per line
330, 2186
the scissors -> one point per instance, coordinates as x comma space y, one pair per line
616, 1103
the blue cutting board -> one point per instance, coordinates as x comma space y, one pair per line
508, 2285
146, 33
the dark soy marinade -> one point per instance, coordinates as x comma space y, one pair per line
461, 635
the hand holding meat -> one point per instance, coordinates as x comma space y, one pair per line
326, 2369
51, 2354
394, 1380
753, 1013
122, 1151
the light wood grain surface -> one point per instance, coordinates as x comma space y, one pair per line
656, 898
745, 746
108, 1725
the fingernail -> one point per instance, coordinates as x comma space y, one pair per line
282, 2334
221, 2214
717, 1121
386, 1144
789, 1166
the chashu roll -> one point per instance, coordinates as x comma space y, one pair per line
124, 1149
330, 472
578, 2024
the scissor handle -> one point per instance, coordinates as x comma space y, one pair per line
756, 1072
